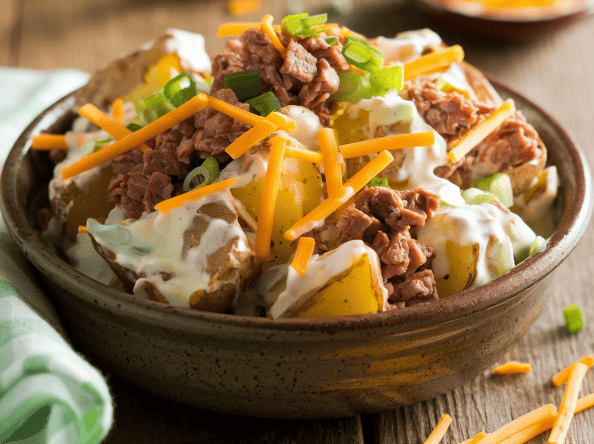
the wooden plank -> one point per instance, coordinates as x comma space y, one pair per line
142, 418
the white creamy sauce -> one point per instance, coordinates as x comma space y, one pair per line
307, 126
407, 45
320, 270
83, 257
153, 248
190, 49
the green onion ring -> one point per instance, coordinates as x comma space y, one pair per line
209, 170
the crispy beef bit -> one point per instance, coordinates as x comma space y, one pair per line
386, 220
448, 114
299, 63
165, 162
320, 49
158, 189
124, 163
318, 91
131, 193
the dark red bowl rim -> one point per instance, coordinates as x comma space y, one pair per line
525, 275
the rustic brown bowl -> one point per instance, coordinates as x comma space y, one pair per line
298, 368
500, 25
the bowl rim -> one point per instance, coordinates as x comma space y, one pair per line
572, 226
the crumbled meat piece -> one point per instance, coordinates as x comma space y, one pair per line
165, 162
307, 76
386, 220
158, 189
124, 163
299, 63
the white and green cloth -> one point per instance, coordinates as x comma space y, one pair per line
48, 393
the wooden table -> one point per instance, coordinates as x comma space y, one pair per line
555, 70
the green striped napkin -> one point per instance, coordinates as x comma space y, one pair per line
48, 393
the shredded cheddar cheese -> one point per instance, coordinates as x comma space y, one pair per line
282, 121
272, 181
476, 439
440, 430
305, 249
233, 111
519, 424
433, 62
358, 71
395, 142
154, 128
568, 404
117, 110
242, 7
329, 147
330, 205
266, 27
299, 153
83, 230
477, 134
512, 368
117, 130
236, 29
251, 137
584, 403
530, 432
195, 194
560, 378
49, 142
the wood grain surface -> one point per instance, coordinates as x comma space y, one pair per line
555, 70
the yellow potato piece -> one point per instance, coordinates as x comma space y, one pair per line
156, 77
353, 292
462, 269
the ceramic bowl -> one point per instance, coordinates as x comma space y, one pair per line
500, 25
297, 368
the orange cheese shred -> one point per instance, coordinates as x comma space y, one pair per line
117, 130
282, 122
568, 404
525, 421
433, 62
242, 7
154, 128
272, 182
395, 142
267, 28
440, 430
512, 368
83, 230
307, 155
330, 205
530, 432
305, 249
195, 194
560, 378
476, 135
117, 110
584, 403
49, 142
235, 29
476, 439
330, 160
233, 111
251, 137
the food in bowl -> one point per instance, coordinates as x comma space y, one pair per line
311, 173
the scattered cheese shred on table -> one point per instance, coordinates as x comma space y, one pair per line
330, 205
299, 153
117, 130
525, 421
303, 254
439, 430
272, 180
138, 137
530, 432
477, 134
117, 110
432, 62
251, 137
49, 142
560, 378
568, 404
242, 7
394, 142
266, 27
332, 171
476, 439
512, 368
195, 194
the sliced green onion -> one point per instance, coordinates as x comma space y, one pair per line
209, 170
332, 40
153, 107
362, 54
474, 196
504, 257
299, 25
352, 87
292, 26
315, 20
500, 185
574, 319
385, 79
265, 103
245, 84
538, 244
379, 182
180, 89
92, 146
133, 126
443, 203
310, 33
